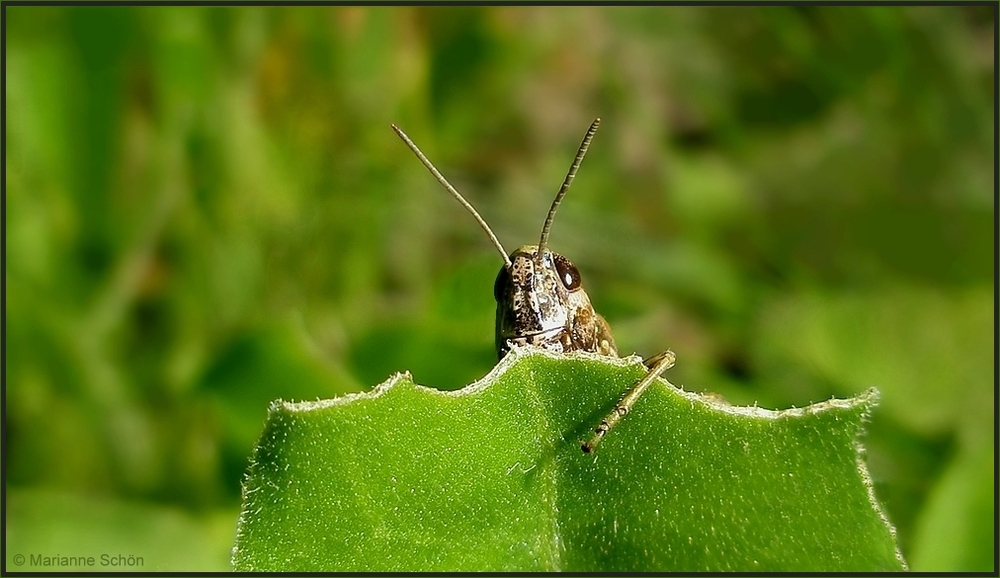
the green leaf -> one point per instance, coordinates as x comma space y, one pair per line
491, 477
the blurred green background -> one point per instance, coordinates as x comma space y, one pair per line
206, 210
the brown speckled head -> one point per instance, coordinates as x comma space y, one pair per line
541, 301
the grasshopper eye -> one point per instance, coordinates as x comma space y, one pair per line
568, 273
502, 284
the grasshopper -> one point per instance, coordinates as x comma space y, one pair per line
541, 301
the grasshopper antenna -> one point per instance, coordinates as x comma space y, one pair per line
444, 182
565, 186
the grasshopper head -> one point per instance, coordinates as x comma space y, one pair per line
541, 302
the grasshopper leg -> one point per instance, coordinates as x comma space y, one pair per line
656, 365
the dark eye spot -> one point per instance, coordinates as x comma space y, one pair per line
568, 273
502, 285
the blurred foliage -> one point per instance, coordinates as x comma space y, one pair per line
206, 209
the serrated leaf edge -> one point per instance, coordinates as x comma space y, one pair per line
867, 398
